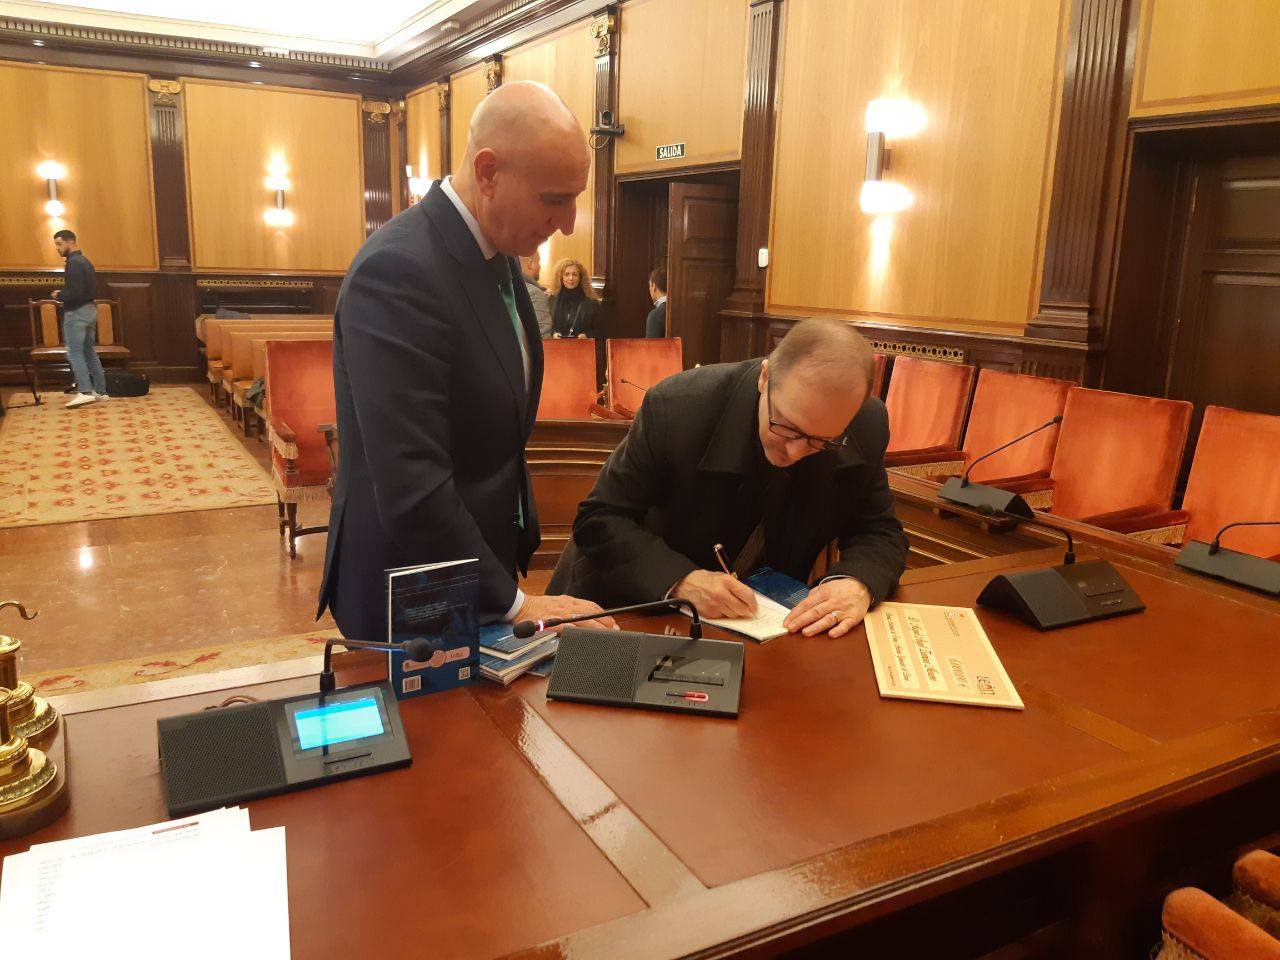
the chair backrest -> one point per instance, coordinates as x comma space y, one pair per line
45, 329
260, 346
878, 374
299, 385
1235, 476
568, 379
215, 328
237, 344
643, 362
109, 322
1007, 405
1117, 451
927, 401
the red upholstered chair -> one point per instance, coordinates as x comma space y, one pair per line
299, 402
633, 366
1234, 476
1005, 405
1195, 926
1117, 458
569, 388
927, 402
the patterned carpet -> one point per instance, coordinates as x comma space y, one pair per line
182, 663
168, 452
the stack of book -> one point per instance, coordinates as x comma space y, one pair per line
504, 656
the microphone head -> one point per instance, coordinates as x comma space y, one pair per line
525, 629
421, 648
1057, 419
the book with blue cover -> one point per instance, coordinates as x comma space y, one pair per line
438, 601
506, 670
498, 640
778, 587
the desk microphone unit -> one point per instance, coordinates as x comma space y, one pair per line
1243, 569
1065, 595
624, 668
215, 758
985, 499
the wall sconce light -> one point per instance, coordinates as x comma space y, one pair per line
277, 180
52, 172
887, 118
418, 186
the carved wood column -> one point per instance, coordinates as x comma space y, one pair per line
604, 28
400, 158
377, 163
169, 175
1077, 248
740, 337
446, 140
493, 73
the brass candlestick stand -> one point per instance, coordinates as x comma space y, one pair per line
33, 783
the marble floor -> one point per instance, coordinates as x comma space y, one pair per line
130, 587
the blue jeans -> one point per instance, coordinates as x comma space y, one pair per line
80, 330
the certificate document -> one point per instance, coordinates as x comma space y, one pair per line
923, 652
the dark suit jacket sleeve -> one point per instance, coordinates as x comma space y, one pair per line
873, 548
622, 559
399, 375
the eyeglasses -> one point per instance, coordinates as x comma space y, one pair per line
791, 433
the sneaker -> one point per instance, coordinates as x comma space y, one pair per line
101, 396
80, 399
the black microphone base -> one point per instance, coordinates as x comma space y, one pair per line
985, 499
1243, 569
1063, 596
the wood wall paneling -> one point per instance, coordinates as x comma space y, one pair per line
95, 124
1196, 55
233, 134
681, 75
422, 131
466, 90
564, 61
967, 254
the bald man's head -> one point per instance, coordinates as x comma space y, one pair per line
526, 163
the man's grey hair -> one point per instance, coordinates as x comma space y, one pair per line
830, 350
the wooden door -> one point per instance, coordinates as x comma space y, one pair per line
701, 239
1226, 343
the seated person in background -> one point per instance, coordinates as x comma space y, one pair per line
773, 459
574, 305
655, 324
530, 268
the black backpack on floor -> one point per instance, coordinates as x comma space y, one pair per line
127, 383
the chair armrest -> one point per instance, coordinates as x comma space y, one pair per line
604, 413
1191, 918
283, 430
1031, 484
1135, 517
932, 455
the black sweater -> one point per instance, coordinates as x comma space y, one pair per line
81, 281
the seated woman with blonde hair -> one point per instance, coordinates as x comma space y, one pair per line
575, 307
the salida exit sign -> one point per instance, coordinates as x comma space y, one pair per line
671, 151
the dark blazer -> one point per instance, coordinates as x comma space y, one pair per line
676, 486
655, 324
573, 322
433, 416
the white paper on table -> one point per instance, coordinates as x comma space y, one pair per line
221, 822
216, 897
764, 626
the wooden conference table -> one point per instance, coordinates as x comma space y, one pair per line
824, 820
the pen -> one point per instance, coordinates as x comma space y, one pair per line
723, 561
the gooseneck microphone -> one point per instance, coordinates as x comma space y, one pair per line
1244, 569
418, 648
964, 480
630, 384
527, 628
1070, 557
987, 499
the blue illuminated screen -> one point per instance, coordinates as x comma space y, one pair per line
337, 723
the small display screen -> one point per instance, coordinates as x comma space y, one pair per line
337, 723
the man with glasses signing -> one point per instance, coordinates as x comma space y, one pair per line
769, 459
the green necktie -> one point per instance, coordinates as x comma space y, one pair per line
502, 270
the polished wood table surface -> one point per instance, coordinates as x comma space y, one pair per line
823, 820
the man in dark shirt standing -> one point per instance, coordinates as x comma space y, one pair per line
80, 321
655, 324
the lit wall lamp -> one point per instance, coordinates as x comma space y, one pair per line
52, 171
418, 186
277, 180
887, 118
